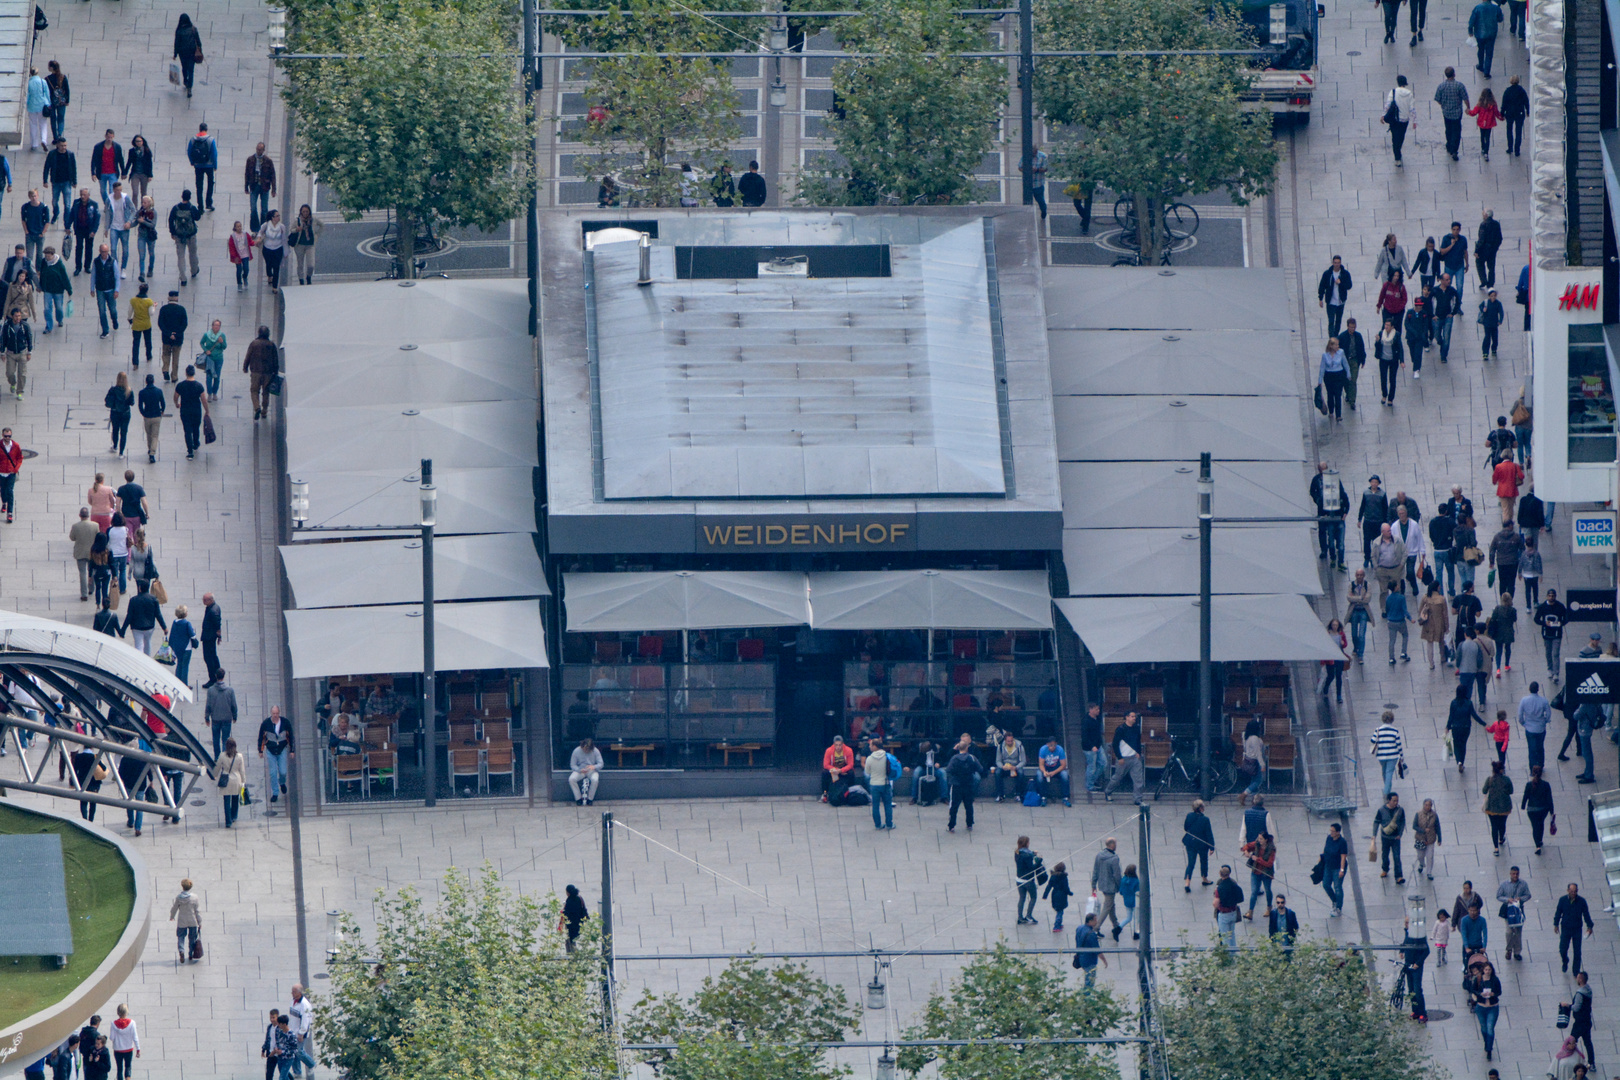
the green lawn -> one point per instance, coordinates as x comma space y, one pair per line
101, 895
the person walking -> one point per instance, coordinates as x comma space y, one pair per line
219, 712
964, 772
202, 150
1390, 355
262, 363
184, 217
107, 166
1507, 546
1498, 792
1434, 624
1091, 745
125, 1043
138, 168
1088, 949
1491, 317
1396, 620
1511, 896
1427, 266
187, 49
1417, 331
1128, 759
146, 235
36, 218
140, 325
82, 534
573, 916
1530, 566
1454, 257
1487, 115
213, 631
120, 210
1426, 836
1332, 679
1198, 837
182, 639
1392, 300
143, 616
301, 238
186, 914
1483, 23
120, 401
172, 322
105, 278
1500, 626
1332, 377
1488, 238
1452, 96
62, 174
230, 765
1334, 863
1373, 515
1537, 803
17, 342
1228, 901
1515, 106
259, 182
191, 399
37, 103
273, 245
1029, 869
1392, 11
1588, 718
1330, 524
1387, 747
84, 221
1333, 288
882, 770
1391, 257
1398, 116
1580, 1013
1359, 612
1355, 355
103, 500
1261, 854
239, 246
1389, 825
276, 747
1572, 912
302, 1022
1447, 307
213, 345
751, 186
1058, 892
152, 405
1485, 998
1106, 873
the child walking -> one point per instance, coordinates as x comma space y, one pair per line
1129, 885
1440, 936
1058, 891
1500, 731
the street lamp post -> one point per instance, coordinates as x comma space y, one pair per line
430, 517
1206, 521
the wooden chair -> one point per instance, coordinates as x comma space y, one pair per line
1156, 748
1001, 648
1150, 697
1280, 755
350, 769
463, 763
1270, 695
965, 648
462, 704
498, 761
1237, 697
497, 731
1116, 694
377, 736
1027, 645
1110, 722
463, 733
382, 766
609, 652
1277, 727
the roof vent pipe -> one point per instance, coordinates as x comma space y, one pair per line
645, 277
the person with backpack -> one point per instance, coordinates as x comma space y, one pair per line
1031, 875
1398, 115
203, 152
183, 219
61, 98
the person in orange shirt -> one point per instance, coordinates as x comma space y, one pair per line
837, 763
1507, 476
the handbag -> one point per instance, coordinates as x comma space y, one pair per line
1372, 850
225, 777
67, 312
1321, 405
1490, 578
196, 947
161, 595
272, 384
1400, 768
247, 800
198, 55
113, 597
1392, 111
1554, 829
1473, 556
208, 429
1319, 871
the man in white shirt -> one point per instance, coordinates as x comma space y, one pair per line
120, 219
1410, 533
585, 772
302, 1015
882, 769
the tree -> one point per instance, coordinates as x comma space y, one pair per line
910, 126
1155, 127
483, 986
649, 108
1312, 1017
736, 1027
1004, 995
412, 119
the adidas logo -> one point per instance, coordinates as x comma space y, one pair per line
1592, 685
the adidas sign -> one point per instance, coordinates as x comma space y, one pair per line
1592, 685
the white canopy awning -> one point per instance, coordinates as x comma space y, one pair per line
1147, 298
404, 312
478, 435
382, 640
937, 599
1128, 562
29, 633
1222, 362
338, 375
498, 566
684, 600
1164, 629
1143, 428
470, 500
1164, 494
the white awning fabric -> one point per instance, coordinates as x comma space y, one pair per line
29, 633
381, 640
497, 566
1164, 494
684, 600
400, 313
1164, 629
470, 501
937, 599
1164, 428
1127, 562
477, 435
339, 375
1226, 363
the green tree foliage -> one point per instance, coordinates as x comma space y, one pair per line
914, 127
1002, 995
1155, 127
482, 987
1258, 1014
736, 1025
412, 119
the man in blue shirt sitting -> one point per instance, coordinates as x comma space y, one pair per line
1054, 770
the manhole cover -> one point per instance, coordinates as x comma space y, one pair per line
30, 454
1391, 705
1353, 52
271, 813
199, 802
1436, 1015
324, 975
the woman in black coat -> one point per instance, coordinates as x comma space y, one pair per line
1462, 711
1198, 837
1537, 802
188, 50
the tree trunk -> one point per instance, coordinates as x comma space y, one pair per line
1149, 230
407, 242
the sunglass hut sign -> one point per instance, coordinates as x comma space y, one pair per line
807, 533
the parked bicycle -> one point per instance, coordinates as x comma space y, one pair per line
1180, 220
1176, 776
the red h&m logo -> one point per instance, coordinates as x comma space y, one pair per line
1579, 296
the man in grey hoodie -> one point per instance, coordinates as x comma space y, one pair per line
220, 712
1105, 878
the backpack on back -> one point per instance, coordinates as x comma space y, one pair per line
197, 152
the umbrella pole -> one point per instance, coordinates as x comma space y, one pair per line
1206, 498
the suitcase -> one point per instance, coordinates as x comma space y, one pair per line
928, 789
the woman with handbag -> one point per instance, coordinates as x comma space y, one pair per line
138, 171
189, 51
182, 639
100, 567
231, 770
1462, 715
142, 566
1537, 803
1333, 670
1434, 621
1498, 792
301, 238
1465, 550
186, 914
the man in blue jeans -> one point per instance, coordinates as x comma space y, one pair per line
1091, 744
1054, 765
104, 275
287, 1053
882, 770
276, 747
1335, 864
1447, 305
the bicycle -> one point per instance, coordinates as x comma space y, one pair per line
1397, 996
1180, 220
1175, 775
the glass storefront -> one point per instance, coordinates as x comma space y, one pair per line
671, 716
907, 702
1591, 398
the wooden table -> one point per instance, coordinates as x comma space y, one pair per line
727, 749
638, 748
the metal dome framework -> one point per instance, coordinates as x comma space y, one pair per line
70, 694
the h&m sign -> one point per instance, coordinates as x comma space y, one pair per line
807, 532
1579, 297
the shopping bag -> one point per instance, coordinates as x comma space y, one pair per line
1451, 747
113, 596
67, 312
1372, 850
1554, 829
159, 593
273, 384
174, 72
165, 655
196, 947
208, 429
1093, 903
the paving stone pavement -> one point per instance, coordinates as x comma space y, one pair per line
796, 874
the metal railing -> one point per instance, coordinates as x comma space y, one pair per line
1332, 772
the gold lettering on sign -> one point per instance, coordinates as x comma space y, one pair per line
823, 534
806, 534
849, 532
715, 535
882, 534
745, 535
775, 534
801, 534
896, 531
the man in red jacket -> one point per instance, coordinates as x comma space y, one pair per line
1507, 476
11, 459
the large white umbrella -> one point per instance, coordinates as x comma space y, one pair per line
684, 600
383, 640
931, 599
1123, 562
1165, 629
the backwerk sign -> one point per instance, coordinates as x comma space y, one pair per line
1593, 534
807, 532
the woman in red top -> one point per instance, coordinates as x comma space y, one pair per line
1392, 298
1488, 114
